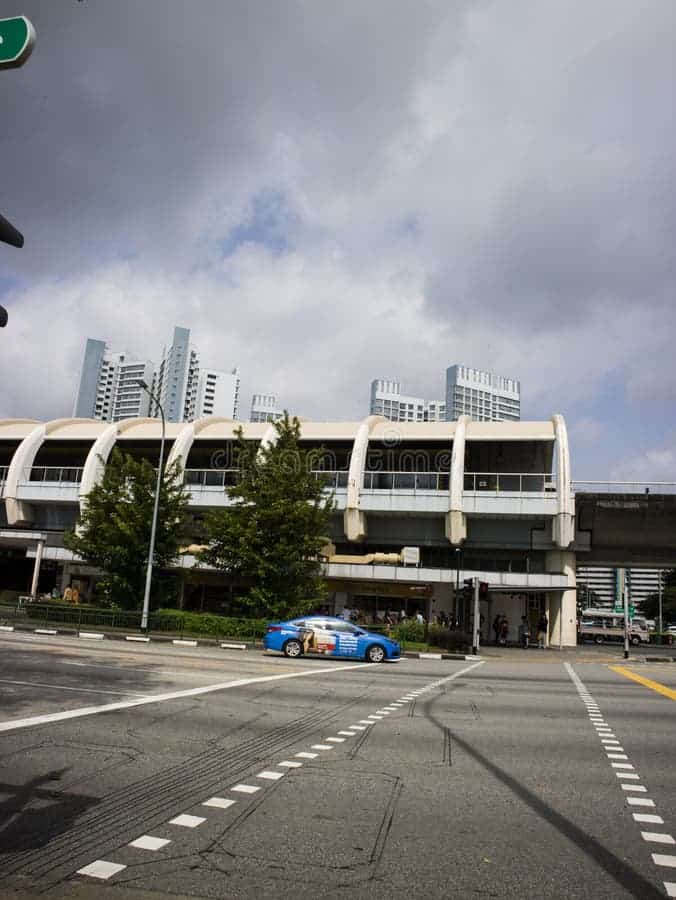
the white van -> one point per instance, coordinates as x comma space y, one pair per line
600, 625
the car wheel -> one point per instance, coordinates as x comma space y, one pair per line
375, 654
635, 639
598, 638
293, 649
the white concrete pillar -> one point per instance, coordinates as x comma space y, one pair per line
36, 569
563, 623
456, 520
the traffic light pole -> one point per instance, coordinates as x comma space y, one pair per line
626, 622
476, 630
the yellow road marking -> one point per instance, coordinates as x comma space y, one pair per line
646, 682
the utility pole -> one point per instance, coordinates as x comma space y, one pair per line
625, 598
659, 602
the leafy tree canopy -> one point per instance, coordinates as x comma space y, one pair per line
114, 529
275, 529
651, 603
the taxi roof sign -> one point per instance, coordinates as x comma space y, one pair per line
17, 38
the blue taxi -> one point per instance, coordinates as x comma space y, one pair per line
329, 636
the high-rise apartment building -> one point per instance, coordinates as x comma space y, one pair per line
388, 401
264, 408
216, 394
109, 389
609, 584
482, 395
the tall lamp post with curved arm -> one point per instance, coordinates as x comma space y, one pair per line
153, 529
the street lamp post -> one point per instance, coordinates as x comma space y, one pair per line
153, 528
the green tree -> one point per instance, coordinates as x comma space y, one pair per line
651, 603
114, 529
273, 533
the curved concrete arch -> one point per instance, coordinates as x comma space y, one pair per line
354, 519
186, 438
563, 526
19, 512
99, 454
269, 438
456, 520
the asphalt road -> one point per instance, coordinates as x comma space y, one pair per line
484, 779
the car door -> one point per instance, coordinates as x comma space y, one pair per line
347, 639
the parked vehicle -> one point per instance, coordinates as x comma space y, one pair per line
601, 625
329, 636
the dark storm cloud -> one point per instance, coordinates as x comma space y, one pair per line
327, 193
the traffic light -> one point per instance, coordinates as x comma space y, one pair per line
483, 589
468, 590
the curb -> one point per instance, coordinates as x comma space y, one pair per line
193, 642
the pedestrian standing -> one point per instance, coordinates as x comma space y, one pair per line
543, 628
524, 632
496, 628
504, 630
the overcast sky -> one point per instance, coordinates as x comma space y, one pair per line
326, 193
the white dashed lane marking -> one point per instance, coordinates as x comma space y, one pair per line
101, 868
657, 837
104, 869
220, 802
615, 751
148, 842
186, 821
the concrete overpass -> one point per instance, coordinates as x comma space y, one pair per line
625, 524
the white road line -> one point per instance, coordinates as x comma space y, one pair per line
621, 765
609, 741
335, 740
617, 756
358, 727
186, 821
271, 776
657, 837
376, 717
65, 687
640, 801
245, 788
220, 802
365, 722
16, 724
670, 887
148, 842
627, 775
44, 631
661, 859
290, 764
648, 818
322, 747
101, 869
305, 755
639, 788
348, 733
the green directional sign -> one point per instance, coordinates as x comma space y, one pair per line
620, 609
17, 37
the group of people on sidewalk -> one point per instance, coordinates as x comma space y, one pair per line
501, 631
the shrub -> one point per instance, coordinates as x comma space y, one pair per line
448, 640
410, 631
206, 624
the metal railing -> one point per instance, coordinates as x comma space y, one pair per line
406, 481
333, 479
625, 487
220, 478
510, 482
54, 474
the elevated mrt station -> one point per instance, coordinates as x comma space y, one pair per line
420, 507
